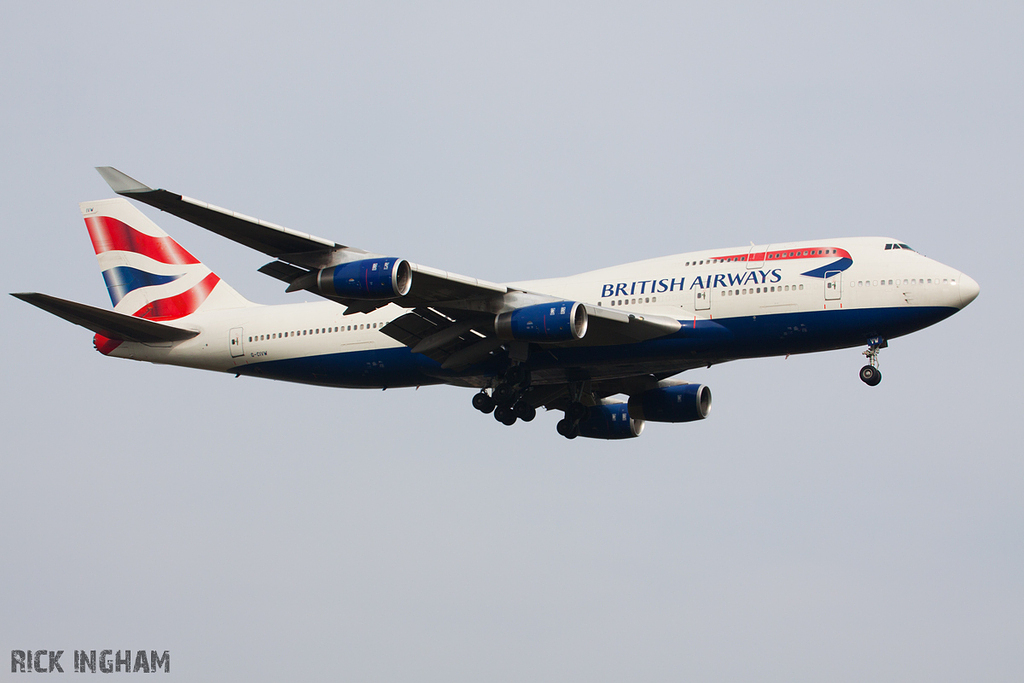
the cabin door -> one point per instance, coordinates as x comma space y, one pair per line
235, 342
702, 299
755, 259
834, 285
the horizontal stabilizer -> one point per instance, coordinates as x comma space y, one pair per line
108, 323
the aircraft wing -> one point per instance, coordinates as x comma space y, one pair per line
297, 253
108, 323
451, 316
269, 238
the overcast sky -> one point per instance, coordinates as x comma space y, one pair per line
811, 529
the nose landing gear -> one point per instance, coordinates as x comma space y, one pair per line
870, 374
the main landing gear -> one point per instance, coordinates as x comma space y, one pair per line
870, 374
575, 412
569, 426
506, 398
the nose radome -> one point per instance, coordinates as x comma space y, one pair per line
969, 289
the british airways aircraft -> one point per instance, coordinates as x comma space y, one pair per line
576, 344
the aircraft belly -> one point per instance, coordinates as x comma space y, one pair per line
697, 344
372, 368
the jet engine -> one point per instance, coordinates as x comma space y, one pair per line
679, 403
370, 279
554, 322
610, 421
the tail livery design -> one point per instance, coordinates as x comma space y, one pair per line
149, 275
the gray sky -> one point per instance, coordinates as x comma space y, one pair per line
811, 529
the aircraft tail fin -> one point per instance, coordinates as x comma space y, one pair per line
148, 274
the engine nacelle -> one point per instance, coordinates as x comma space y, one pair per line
610, 421
374, 278
555, 322
682, 403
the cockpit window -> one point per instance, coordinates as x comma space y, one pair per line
905, 246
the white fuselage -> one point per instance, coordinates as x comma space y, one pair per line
748, 284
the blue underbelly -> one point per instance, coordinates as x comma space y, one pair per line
703, 342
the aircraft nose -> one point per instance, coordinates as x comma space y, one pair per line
969, 289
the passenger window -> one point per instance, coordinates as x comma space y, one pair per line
801, 286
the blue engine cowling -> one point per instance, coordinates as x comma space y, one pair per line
610, 421
682, 403
555, 322
374, 278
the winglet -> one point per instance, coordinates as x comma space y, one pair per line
121, 183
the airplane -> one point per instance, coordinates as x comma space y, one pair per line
603, 346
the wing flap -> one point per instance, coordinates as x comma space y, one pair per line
108, 323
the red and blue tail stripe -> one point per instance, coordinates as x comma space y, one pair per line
179, 305
147, 273
124, 279
110, 234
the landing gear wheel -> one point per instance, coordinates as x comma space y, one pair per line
505, 415
567, 428
504, 394
525, 412
870, 375
483, 403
